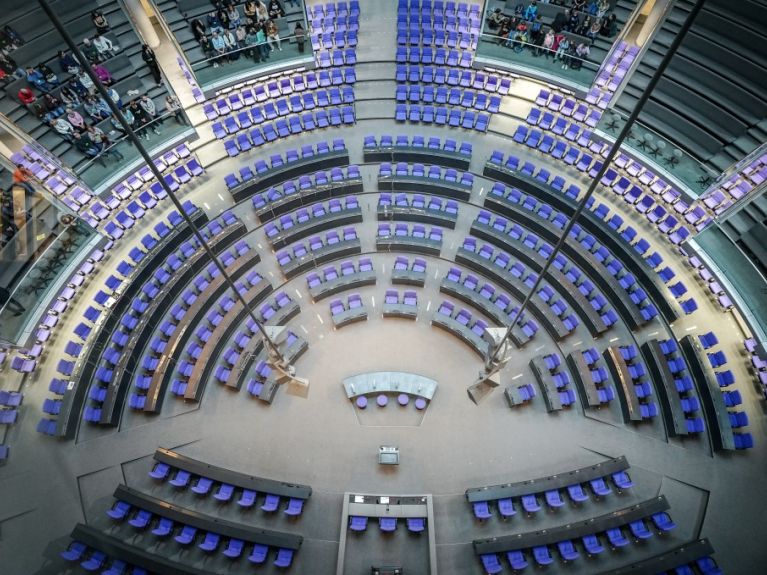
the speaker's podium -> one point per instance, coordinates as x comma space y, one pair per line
386, 571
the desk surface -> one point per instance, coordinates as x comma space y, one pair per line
546, 383
199, 520
668, 396
390, 381
547, 483
581, 373
223, 475
624, 384
573, 530
717, 417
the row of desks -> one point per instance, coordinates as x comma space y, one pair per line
236, 478
415, 155
517, 288
77, 390
425, 185
548, 483
290, 171
326, 253
177, 342
421, 215
573, 530
315, 225
193, 518
459, 291
307, 197
634, 263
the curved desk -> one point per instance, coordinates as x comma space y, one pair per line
390, 382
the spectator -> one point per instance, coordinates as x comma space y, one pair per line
531, 11
68, 63
85, 81
239, 35
100, 22
573, 21
548, 43
198, 29
26, 96
52, 106
219, 47
100, 139
562, 52
214, 23
495, 19
90, 51
262, 12
233, 14
85, 145
172, 106
69, 97
103, 74
115, 96
223, 17
141, 117
579, 5
230, 42
36, 78
272, 35
104, 46
250, 11
609, 26
77, 121
147, 54
593, 32
582, 52
275, 10
536, 31
602, 7
300, 35
129, 119
560, 21
147, 104
584, 27
12, 37
21, 175
96, 108
10, 67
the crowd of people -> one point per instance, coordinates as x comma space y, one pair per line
225, 34
565, 39
69, 102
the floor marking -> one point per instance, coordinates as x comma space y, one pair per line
260, 247
482, 190
373, 299
691, 328
652, 334
539, 348
428, 306
298, 293
517, 376
319, 317
207, 207
306, 331
220, 197
612, 339
577, 343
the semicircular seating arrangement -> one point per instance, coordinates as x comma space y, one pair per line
385, 185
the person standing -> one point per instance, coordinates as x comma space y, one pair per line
147, 54
300, 35
173, 106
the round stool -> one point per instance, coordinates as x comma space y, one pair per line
420, 403
403, 399
382, 400
362, 402
647, 141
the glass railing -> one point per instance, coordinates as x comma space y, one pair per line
32, 259
121, 152
221, 69
647, 143
537, 61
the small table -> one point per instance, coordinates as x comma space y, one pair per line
382, 400
403, 399
362, 402
388, 455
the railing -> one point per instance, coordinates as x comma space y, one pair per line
549, 64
